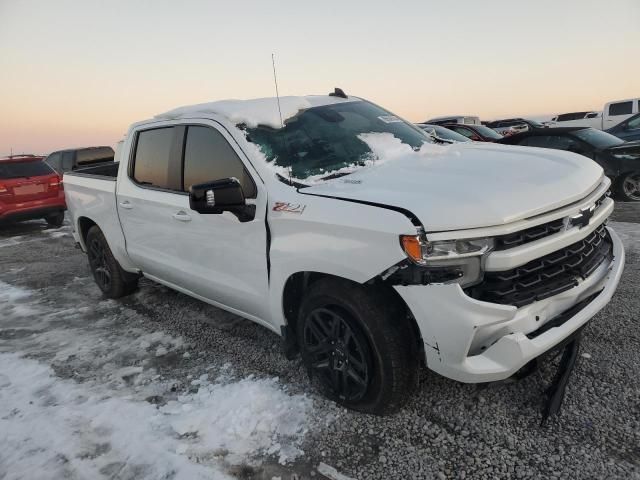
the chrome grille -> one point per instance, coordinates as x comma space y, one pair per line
532, 234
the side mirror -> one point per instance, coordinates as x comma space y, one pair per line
221, 196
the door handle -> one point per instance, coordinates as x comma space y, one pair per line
126, 204
182, 216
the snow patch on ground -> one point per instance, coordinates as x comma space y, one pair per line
52, 428
12, 301
100, 426
259, 111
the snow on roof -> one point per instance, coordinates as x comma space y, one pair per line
258, 111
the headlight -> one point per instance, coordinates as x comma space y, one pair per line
448, 261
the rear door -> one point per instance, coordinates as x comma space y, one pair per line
148, 195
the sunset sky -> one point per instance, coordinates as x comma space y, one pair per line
76, 73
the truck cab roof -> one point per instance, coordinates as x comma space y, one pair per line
268, 111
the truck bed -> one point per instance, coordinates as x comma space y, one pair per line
91, 193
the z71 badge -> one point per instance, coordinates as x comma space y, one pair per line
288, 207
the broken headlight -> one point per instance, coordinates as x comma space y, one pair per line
448, 261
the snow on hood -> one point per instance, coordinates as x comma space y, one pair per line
464, 185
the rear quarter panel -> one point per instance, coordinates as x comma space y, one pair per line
95, 199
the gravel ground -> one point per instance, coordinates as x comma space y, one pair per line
447, 430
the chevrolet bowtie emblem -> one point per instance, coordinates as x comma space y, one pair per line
582, 219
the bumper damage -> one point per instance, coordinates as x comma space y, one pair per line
473, 341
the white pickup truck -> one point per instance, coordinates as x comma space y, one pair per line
611, 115
338, 226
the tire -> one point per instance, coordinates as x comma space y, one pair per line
628, 187
358, 345
55, 219
107, 272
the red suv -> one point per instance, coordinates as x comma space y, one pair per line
29, 189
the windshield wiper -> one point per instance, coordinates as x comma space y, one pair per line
336, 175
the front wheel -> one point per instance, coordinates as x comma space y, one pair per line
628, 187
358, 346
107, 272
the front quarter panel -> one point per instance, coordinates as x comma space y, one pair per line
335, 237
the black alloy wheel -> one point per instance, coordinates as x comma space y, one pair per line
339, 353
98, 262
631, 187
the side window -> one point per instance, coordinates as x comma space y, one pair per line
67, 161
622, 108
562, 142
208, 157
634, 124
152, 162
464, 131
53, 161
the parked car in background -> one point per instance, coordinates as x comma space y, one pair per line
511, 126
612, 114
477, 133
461, 119
442, 134
74, 158
367, 268
619, 159
30, 189
567, 117
629, 130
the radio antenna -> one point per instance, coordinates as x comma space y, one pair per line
275, 81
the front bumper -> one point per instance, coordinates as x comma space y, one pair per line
473, 341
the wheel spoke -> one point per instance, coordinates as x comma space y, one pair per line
95, 251
344, 387
322, 347
359, 365
335, 380
337, 353
317, 326
321, 364
356, 377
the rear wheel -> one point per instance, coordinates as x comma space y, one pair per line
358, 346
110, 277
628, 187
55, 219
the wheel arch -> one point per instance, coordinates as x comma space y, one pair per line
297, 284
84, 224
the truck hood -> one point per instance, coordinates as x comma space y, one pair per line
463, 186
